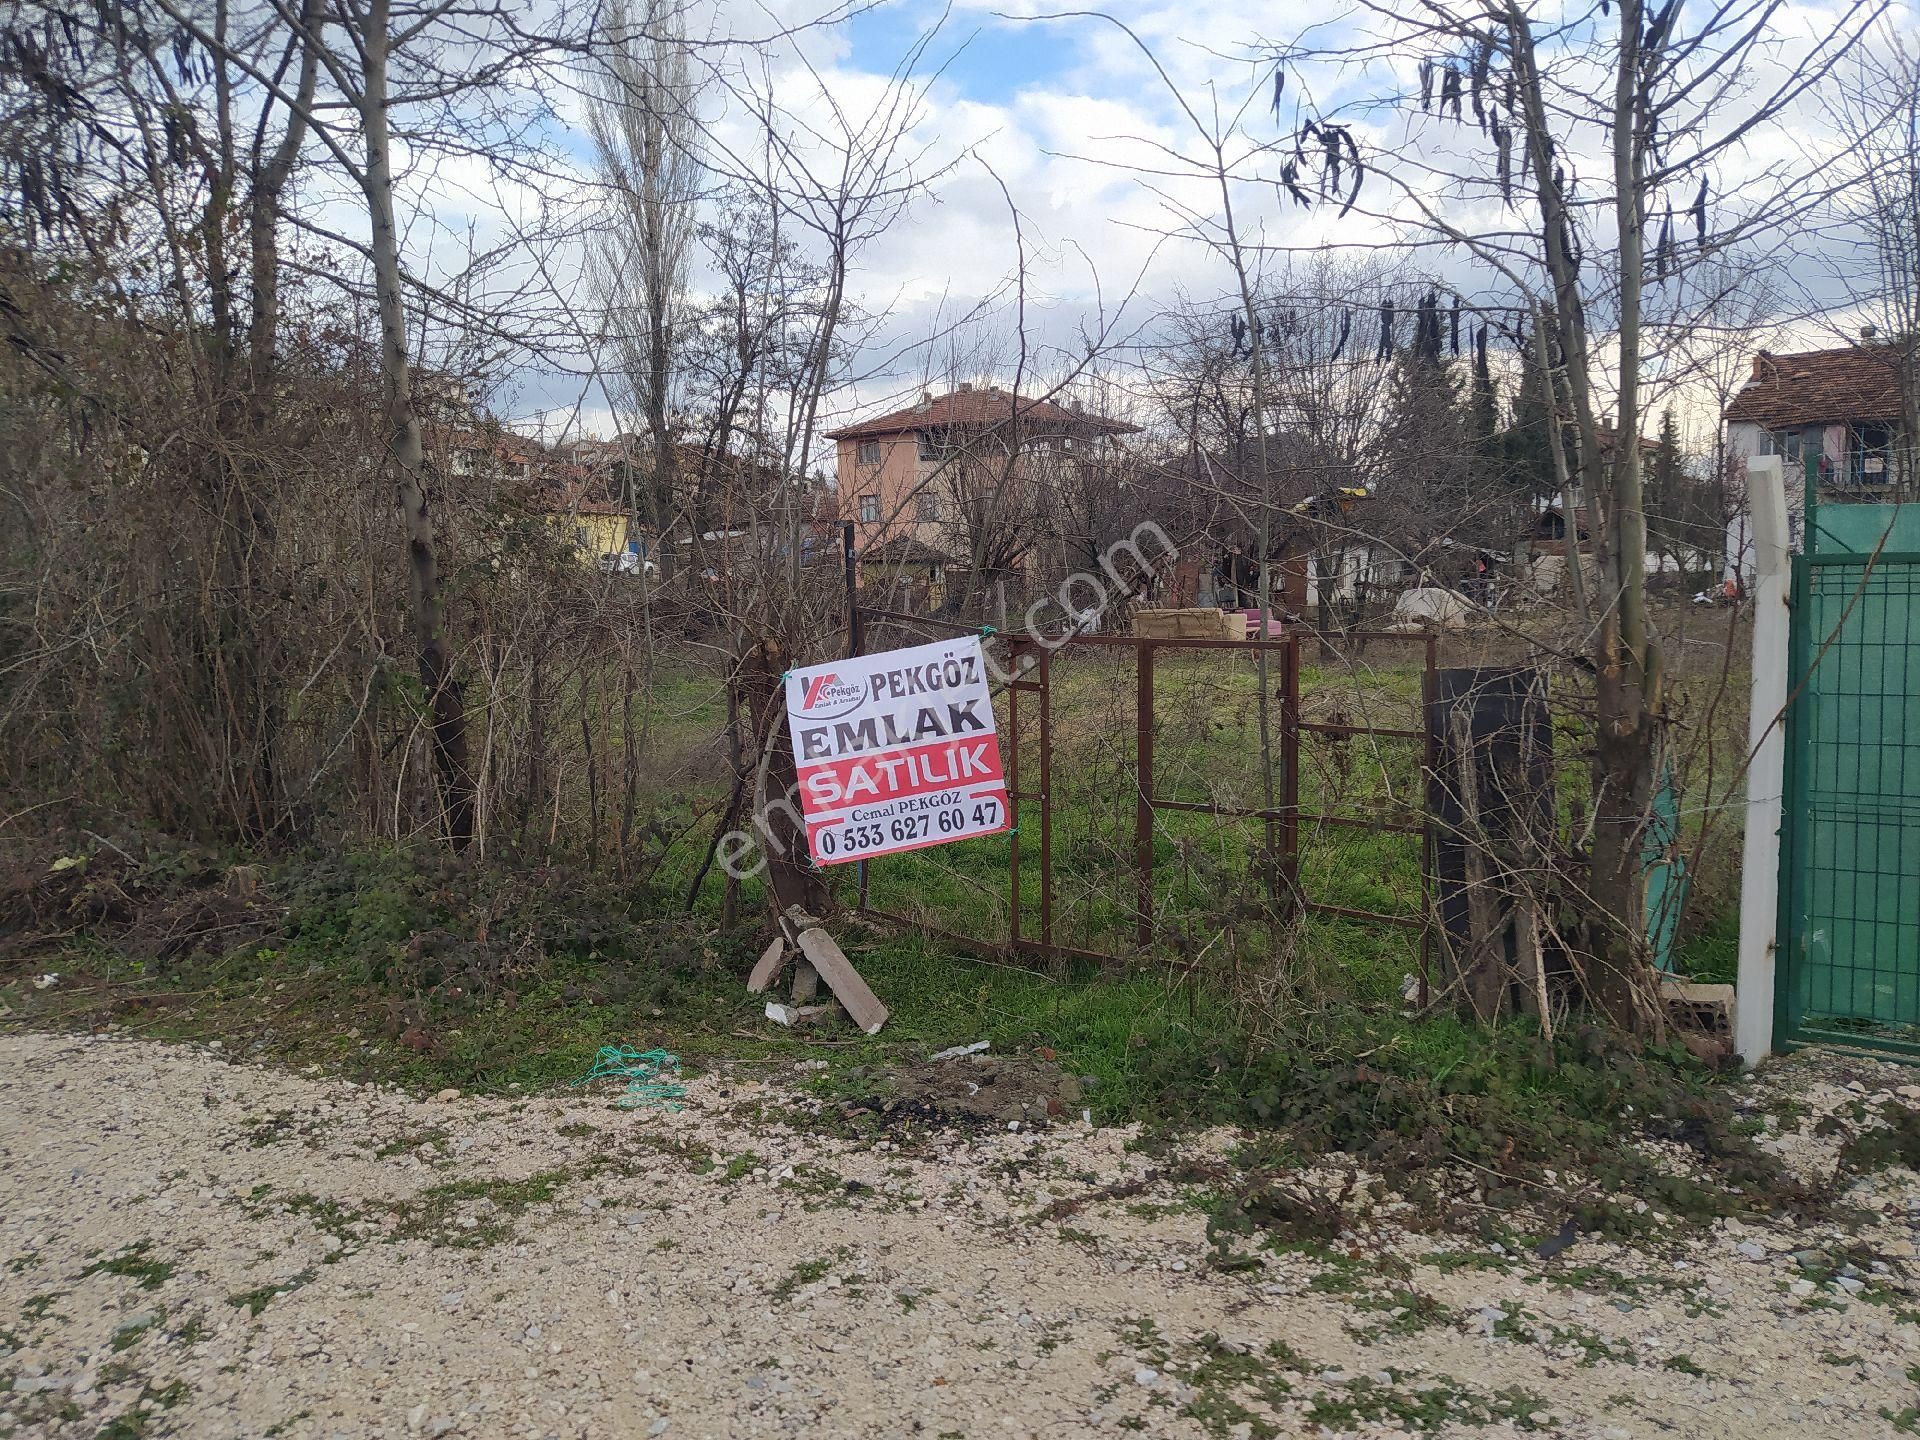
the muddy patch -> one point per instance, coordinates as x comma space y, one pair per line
981, 1089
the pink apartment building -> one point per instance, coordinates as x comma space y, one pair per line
904, 477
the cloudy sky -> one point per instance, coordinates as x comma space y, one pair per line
1067, 113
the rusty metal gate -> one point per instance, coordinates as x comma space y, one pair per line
1148, 829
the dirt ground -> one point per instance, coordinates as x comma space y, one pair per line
203, 1248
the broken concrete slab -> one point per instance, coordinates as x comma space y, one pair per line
845, 982
767, 969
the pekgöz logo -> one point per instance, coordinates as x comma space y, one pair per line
828, 696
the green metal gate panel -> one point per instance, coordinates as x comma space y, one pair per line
1849, 967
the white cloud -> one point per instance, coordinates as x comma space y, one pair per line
1066, 113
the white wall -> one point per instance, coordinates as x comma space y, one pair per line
1746, 442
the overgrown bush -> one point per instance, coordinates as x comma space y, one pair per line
1441, 1108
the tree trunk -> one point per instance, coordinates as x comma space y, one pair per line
1619, 979
1619, 982
791, 877
446, 702
253, 532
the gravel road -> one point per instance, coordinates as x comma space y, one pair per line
203, 1248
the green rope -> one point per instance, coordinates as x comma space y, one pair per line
642, 1070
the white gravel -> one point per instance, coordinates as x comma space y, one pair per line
152, 1197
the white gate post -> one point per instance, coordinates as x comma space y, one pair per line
1767, 743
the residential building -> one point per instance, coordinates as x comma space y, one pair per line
916, 482
1842, 407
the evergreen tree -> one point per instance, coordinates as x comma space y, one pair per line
1430, 473
1484, 416
1677, 520
1526, 443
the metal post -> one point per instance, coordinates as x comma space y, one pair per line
855, 636
1013, 799
1290, 768
1143, 801
1809, 499
1046, 801
1429, 858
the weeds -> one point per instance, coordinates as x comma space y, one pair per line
133, 1264
407, 1144
130, 1334
470, 1214
804, 1273
1895, 1141
257, 1299
1438, 1402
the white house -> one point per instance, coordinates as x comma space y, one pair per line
1841, 406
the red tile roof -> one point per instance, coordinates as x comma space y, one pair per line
1856, 382
980, 410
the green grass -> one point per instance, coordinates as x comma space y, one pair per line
257, 1299
1712, 954
804, 1273
379, 970
133, 1264
398, 964
1211, 901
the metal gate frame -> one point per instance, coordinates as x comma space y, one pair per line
1286, 819
1805, 652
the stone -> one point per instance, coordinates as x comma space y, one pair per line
1752, 1249
448, 1094
1145, 1375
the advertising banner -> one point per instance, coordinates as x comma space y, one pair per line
896, 751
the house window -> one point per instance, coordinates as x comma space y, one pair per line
869, 509
936, 444
1793, 446
868, 453
926, 506
1870, 454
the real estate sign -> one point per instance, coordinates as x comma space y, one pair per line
896, 751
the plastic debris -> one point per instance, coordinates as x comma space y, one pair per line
955, 1052
791, 1015
645, 1072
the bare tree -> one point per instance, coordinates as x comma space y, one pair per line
446, 83
1603, 141
643, 125
134, 150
